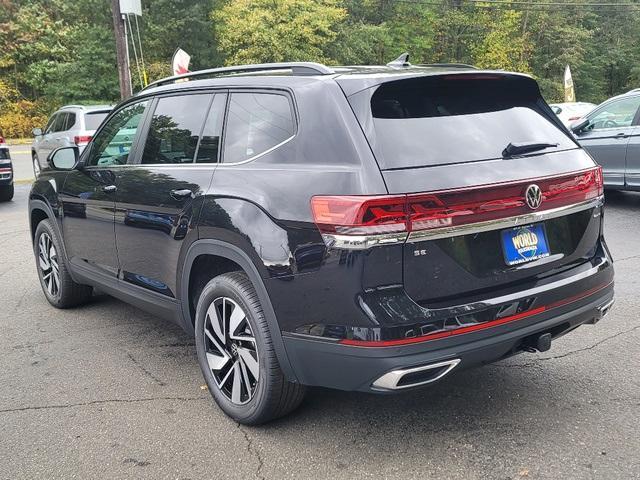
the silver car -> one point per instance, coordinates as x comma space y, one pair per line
611, 134
72, 125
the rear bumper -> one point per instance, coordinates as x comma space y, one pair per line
6, 175
347, 367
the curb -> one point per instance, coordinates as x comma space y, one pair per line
23, 181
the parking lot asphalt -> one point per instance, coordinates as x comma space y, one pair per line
108, 391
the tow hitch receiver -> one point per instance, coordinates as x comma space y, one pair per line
538, 343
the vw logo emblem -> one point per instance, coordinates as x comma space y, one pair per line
533, 196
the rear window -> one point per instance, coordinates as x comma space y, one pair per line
454, 119
93, 120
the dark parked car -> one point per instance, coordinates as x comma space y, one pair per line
368, 229
6, 172
611, 134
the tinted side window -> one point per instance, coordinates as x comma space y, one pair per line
111, 146
61, 121
175, 128
71, 121
256, 122
617, 114
209, 147
51, 123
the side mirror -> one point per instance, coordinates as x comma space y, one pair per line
64, 158
579, 125
36, 132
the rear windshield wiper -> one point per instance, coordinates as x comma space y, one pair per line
525, 147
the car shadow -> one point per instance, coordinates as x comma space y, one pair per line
623, 200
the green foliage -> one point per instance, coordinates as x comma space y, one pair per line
253, 31
61, 51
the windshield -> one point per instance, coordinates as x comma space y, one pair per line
93, 120
453, 119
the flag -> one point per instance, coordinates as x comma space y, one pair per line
569, 92
180, 62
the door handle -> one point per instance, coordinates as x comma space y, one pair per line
621, 135
181, 194
109, 188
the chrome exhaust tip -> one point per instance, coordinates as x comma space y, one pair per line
415, 376
602, 311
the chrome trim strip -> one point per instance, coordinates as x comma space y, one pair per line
533, 217
495, 301
362, 242
390, 380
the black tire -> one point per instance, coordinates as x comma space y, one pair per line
68, 293
273, 396
35, 164
6, 193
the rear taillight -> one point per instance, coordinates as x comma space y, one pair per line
356, 215
492, 202
81, 139
390, 218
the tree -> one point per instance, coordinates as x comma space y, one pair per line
255, 31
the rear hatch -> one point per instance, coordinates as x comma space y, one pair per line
468, 149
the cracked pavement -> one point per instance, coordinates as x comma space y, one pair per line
108, 391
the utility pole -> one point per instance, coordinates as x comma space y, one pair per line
124, 76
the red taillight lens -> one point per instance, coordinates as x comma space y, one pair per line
491, 202
356, 215
81, 139
362, 215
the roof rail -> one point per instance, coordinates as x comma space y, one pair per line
297, 68
447, 65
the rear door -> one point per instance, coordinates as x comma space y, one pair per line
160, 194
442, 141
607, 137
632, 172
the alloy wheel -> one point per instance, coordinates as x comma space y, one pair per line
48, 262
231, 350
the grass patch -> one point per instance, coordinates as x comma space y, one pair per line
18, 141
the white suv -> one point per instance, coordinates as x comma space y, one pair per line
72, 125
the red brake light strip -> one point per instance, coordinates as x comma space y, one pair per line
392, 214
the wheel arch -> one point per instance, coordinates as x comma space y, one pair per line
232, 253
40, 210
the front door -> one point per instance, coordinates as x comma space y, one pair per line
48, 142
607, 136
88, 194
159, 194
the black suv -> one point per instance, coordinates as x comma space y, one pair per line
360, 228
